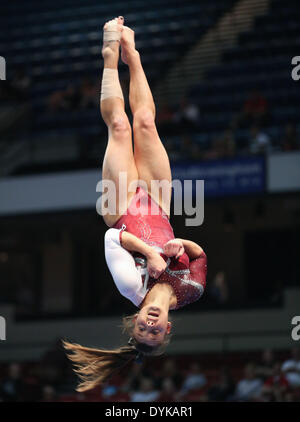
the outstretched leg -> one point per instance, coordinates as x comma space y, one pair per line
119, 152
150, 156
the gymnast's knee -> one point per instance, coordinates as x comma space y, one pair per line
144, 119
119, 125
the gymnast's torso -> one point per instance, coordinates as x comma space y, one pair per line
146, 220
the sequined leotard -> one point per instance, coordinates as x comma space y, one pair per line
145, 219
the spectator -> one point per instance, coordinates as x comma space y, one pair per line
255, 110
170, 371
266, 366
54, 365
132, 383
55, 357
158, 383
223, 146
12, 387
31, 384
223, 389
146, 393
64, 100
48, 394
218, 289
259, 141
276, 386
249, 387
289, 397
290, 140
168, 391
291, 368
109, 389
194, 380
187, 117
216, 150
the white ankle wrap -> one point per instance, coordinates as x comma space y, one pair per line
111, 33
110, 84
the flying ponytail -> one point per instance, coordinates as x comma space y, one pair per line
95, 366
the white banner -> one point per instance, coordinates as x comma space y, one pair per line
50, 192
283, 172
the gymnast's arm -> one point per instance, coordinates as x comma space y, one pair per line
192, 249
177, 247
156, 265
197, 256
121, 263
122, 266
198, 266
134, 244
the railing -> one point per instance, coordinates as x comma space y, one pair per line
226, 337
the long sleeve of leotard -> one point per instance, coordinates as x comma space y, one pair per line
122, 267
198, 269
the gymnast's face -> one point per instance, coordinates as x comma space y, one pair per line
151, 325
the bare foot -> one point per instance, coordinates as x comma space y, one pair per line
115, 25
127, 43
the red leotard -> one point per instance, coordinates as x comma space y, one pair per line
187, 277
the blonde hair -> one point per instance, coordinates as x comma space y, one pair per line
95, 366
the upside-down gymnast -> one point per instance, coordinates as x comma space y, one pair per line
154, 270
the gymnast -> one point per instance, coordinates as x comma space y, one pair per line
150, 267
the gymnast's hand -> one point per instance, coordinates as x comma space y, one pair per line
156, 265
174, 247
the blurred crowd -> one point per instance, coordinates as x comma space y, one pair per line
186, 120
75, 97
246, 134
177, 379
179, 125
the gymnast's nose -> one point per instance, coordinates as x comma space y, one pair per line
150, 323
